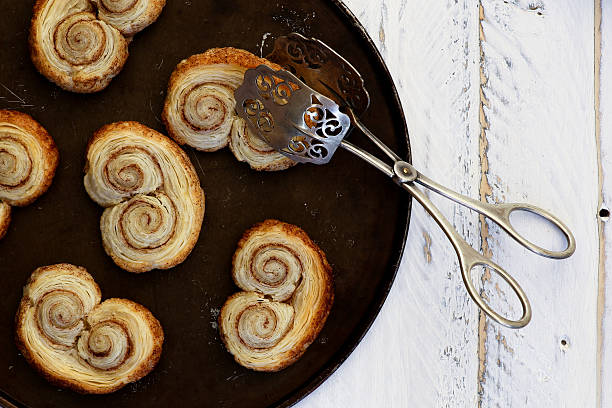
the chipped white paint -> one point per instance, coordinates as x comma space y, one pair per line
500, 99
605, 138
538, 61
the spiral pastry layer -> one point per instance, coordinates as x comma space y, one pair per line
287, 296
75, 341
129, 16
152, 194
199, 108
80, 51
253, 150
28, 159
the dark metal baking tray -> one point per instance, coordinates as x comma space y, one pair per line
358, 217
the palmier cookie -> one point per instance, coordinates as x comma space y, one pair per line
28, 160
81, 45
287, 295
152, 194
199, 108
75, 341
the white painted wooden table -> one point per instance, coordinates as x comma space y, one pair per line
506, 101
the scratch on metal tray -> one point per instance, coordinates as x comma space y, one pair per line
197, 159
14, 94
234, 377
263, 41
19, 100
151, 109
197, 283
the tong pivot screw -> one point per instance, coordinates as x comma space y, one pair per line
404, 172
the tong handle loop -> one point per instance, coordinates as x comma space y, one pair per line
470, 258
475, 259
500, 214
406, 176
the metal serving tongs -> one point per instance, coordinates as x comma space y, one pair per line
307, 126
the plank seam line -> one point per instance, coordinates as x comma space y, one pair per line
484, 191
600, 227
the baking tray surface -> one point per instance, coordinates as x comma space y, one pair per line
359, 218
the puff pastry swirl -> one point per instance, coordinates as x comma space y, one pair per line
75, 341
28, 160
199, 107
129, 16
152, 194
287, 296
82, 51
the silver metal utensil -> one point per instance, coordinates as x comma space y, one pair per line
307, 126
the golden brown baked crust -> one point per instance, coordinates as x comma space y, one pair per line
253, 150
82, 49
28, 160
129, 16
199, 106
152, 194
5, 218
83, 70
20, 134
76, 342
288, 293
224, 55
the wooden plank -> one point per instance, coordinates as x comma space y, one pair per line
603, 72
537, 102
520, 116
422, 348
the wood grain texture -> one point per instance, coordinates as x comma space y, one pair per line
539, 123
421, 350
499, 97
604, 98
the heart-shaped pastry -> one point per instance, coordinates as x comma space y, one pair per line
129, 16
28, 159
75, 341
199, 107
81, 45
152, 194
288, 293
